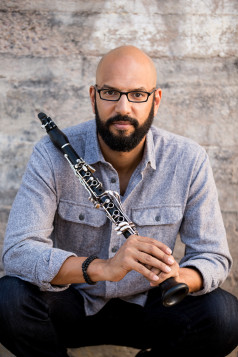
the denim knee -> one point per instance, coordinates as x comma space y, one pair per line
222, 316
26, 329
11, 292
15, 298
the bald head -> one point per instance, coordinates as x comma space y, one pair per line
129, 66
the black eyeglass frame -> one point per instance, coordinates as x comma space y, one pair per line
126, 93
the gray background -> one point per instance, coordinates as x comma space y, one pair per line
48, 55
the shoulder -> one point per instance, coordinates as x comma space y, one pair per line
81, 129
168, 142
76, 134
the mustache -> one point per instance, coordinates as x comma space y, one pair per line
121, 118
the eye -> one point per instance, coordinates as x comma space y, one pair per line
109, 92
138, 96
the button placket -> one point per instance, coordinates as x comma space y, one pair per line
115, 248
115, 242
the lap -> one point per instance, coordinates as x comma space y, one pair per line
206, 322
218, 303
209, 317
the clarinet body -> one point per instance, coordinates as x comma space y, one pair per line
172, 292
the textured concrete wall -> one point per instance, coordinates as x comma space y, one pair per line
48, 54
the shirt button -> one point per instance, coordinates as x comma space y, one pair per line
81, 217
115, 249
158, 218
113, 180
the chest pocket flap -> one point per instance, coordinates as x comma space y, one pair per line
157, 215
81, 213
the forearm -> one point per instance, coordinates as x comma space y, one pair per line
192, 277
137, 253
71, 271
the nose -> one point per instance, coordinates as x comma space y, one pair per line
123, 106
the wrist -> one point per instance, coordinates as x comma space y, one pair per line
97, 270
85, 266
192, 277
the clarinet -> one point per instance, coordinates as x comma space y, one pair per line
171, 291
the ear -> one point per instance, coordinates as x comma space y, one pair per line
157, 100
92, 93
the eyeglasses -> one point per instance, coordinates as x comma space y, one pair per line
113, 95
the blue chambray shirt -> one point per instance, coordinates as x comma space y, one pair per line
171, 192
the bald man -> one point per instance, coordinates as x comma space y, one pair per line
71, 281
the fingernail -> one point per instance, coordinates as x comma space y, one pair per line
169, 251
168, 269
156, 278
171, 260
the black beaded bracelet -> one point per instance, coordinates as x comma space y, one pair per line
85, 267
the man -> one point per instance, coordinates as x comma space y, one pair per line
50, 299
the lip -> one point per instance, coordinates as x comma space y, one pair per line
122, 125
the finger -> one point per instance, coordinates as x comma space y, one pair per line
156, 243
152, 241
149, 260
149, 267
147, 273
153, 269
153, 251
164, 276
173, 273
156, 271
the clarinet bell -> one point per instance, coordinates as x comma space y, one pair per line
173, 292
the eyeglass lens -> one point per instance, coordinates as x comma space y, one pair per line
135, 96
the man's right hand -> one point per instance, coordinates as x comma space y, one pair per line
145, 255
142, 254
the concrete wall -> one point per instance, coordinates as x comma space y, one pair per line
48, 54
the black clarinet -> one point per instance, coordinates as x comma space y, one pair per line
172, 292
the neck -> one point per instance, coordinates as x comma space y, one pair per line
123, 162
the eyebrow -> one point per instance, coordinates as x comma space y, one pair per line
143, 89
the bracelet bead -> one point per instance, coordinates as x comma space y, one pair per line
85, 267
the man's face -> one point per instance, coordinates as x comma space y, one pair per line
120, 140
122, 125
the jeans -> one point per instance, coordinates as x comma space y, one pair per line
45, 324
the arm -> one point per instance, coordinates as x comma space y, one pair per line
137, 253
192, 278
28, 247
203, 230
207, 260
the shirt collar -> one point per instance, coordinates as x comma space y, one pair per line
93, 152
149, 151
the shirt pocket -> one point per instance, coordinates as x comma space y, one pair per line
161, 222
81, 228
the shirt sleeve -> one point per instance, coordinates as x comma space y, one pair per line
202, 230
28, 251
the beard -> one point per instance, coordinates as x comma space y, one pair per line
123, 142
